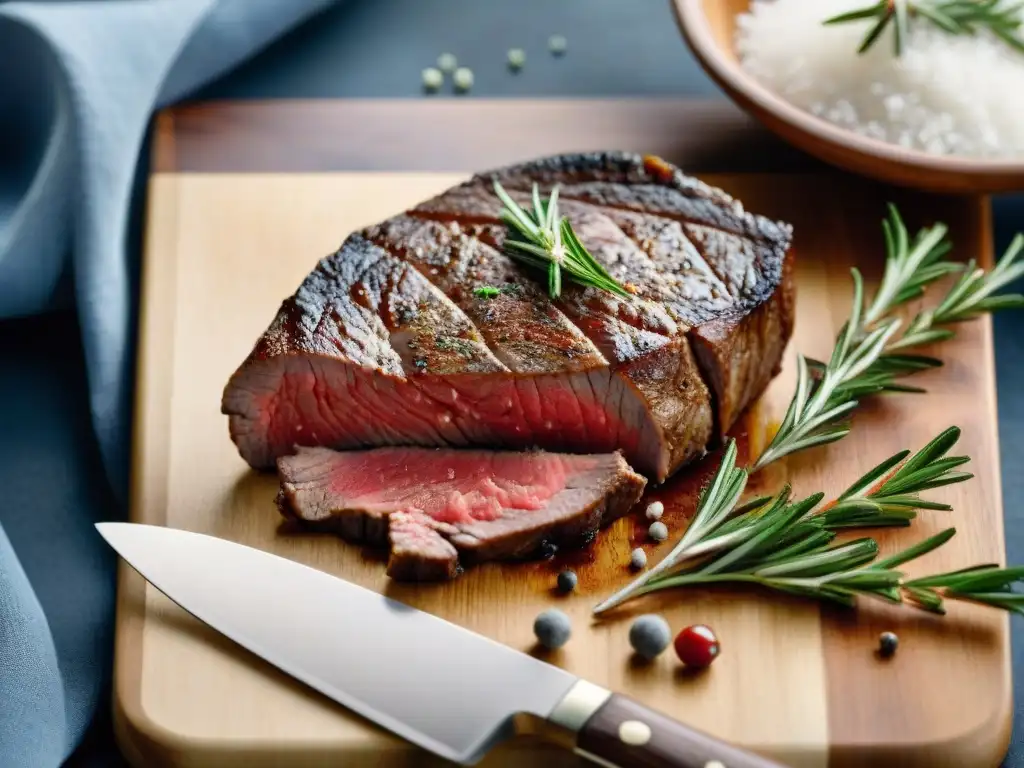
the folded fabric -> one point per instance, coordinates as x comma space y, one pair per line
79, 82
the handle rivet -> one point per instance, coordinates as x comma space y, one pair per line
714, 764
635, 733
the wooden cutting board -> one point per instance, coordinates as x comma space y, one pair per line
245, 198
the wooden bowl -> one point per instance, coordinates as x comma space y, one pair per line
708, 27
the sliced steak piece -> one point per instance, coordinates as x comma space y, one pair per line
439, 507
387, 343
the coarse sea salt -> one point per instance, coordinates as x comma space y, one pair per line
946, 95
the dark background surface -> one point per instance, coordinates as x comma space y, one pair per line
368, 49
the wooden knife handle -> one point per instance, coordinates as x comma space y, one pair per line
626, 734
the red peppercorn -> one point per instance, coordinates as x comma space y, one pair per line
697, 646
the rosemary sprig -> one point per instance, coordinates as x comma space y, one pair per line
956, 17
910, 267
887, 495
545, 240
869, 357
717, 501
986, 584
970, 297
788, 546
840, 573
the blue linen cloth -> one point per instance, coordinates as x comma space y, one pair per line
79, 82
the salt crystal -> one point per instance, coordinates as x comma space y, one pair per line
947, 94
894, 105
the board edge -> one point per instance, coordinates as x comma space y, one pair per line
138, 736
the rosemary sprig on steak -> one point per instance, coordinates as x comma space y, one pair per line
957, 17
726, 542
869, 357
545, 240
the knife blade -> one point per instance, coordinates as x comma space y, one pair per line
458, 696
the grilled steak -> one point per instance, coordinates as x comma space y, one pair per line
386, 343
436, 507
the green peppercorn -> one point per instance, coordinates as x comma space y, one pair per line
516, 58
432, 78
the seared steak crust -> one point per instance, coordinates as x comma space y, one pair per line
386, 342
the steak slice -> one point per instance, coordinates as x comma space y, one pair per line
387, 343
439, 507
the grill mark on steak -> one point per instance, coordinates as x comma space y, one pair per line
657, 374
613, 236
604, 320
362, 330
659, 200
732, 371
647, 329
695, 296
456, 262
436, 509
741, 267
704, 292
645, 184
600, 316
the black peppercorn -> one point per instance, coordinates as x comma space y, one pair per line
567, 581
887, 644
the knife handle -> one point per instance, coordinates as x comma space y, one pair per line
626, 734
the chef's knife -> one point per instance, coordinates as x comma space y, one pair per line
442, 687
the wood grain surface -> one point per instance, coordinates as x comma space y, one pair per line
799, 683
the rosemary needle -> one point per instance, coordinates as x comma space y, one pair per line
543, 239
